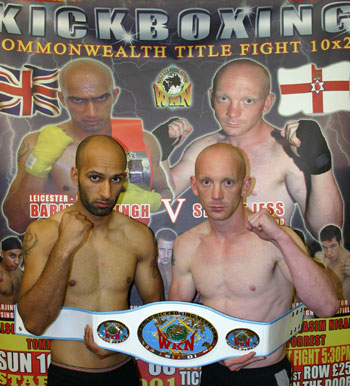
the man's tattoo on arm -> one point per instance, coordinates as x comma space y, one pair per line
23, 151
30, 240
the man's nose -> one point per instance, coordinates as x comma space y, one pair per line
91, 108
105, 189
216, 192
233, 109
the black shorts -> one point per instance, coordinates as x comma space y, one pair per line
126, 374
278, 374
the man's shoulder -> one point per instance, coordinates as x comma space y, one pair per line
345, 254
209, 139
192, 237
45, 225
320, 257
33, 135
198, 144
128, 225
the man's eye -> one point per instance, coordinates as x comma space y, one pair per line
222, 98
228, 182
102, 98
116, 179
206, 182
249, 101
77, 100
94, 178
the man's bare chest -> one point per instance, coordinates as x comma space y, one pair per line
97, 268
245, 267
7, 283
59, 180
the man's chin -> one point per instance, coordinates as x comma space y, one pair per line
100, 212
93, 128
103, 212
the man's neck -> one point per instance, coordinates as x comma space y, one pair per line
256, 135
98, 221
79, 134
236, 224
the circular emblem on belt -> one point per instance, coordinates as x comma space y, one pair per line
242, 339
177, 335
112, 331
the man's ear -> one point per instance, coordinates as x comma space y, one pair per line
269, 102
74, 175
61, 98
115, 94
247, 184
194, 185
211, 98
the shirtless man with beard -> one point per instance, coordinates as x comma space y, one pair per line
88, 256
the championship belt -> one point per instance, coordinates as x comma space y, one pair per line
128, 132
176, 334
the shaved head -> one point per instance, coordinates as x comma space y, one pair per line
78, 69
247, 64
223, 149
95, 143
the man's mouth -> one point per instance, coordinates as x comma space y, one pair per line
103, 204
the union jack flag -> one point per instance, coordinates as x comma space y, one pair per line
29, 90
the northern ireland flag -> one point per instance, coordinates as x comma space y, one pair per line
314, 90
25, 91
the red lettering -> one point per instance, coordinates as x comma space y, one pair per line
197, 210
44, 210
163, 342
279, 208
34, 210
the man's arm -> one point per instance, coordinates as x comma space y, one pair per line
170, 135
308, 278
346, 265
36, 155
47, 250
182, 286
314, 159
160, 183
148, 279
16, 203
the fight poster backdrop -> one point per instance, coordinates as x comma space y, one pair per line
163, 56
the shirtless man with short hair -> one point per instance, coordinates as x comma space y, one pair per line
10, 271
88, 256
336, 259
165, 242
45, 157
244, 265
240, 96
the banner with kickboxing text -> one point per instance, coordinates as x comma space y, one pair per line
163, 56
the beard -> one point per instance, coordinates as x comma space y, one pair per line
95, 210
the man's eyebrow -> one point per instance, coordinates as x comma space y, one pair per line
102, 174
94, 172
107, 94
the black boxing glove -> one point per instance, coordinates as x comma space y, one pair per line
166, 143
315, 157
